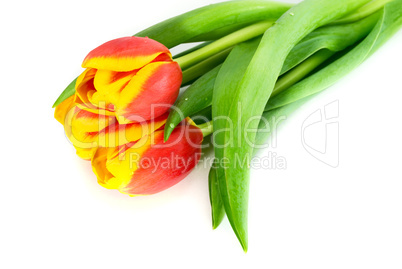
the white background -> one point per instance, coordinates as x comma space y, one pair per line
310, 215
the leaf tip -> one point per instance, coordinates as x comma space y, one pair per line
167, 132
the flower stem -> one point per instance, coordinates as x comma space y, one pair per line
302, 70
180, 54
206, 128
362, 12
203, 67
226, 42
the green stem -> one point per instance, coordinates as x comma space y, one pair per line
300, 71
203, 67
206, 128
192, 49
226, 42
362, 12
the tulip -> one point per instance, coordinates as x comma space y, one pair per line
130, 78
149, 165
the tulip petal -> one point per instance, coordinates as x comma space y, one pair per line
85, 91
82, 127
161, 167
84, 88
85, 154
109, 84
63, 108
125, 54
149, 165
99, 166
116, 170
120, 134
87, 130
151, 92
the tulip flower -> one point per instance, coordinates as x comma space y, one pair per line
126, 78
149, 165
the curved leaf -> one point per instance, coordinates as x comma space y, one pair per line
217, 210
389, 22
229, 77
252, 94
213, 21
334, 38
69, 91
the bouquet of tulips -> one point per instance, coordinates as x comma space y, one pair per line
252, 61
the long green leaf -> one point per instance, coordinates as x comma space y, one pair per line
230, 73
334, 38
217, 209
213, 21
389, 22
253, 93
229, 78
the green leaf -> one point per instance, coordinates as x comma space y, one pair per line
253, 92
389, 22
213, 21
202, 116
217, 210
333, 38
69, 91
228, 79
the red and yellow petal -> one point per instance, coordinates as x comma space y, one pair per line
161, 167
125, 54
87, 130
109, 84
98, 162
149, 165
151, 92
84, 89
114, 167
82, 127
120, 134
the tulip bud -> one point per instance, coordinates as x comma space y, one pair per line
149, 165
127, 77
